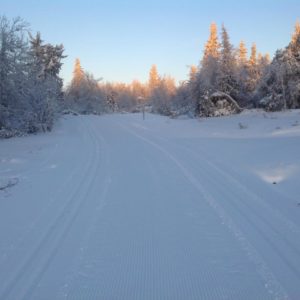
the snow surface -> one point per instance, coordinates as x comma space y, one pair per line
116, 207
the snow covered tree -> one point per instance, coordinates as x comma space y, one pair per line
242, 75
193, 73
226, 76
242, 54
216, 82
30, 86
296, 33
45, 97
138, 89
209, 64
280, 86
78, 90
253, 56
13, 69
192, 85
160, 91
212, 46
161, 96
84, 94
263, 61
206, 77
154, 79
253, 74
78, 75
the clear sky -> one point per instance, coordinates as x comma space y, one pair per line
120, 40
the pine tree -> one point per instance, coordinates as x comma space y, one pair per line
242, 74
280, 86
30, 86
78, 75
263, 62
226, 77
296, 33
13, 55
45, 82
212, 46
79, 90
207, 79
253, 58
162, 95
253, 72
138, 90
193, 73
154, 79
242, 54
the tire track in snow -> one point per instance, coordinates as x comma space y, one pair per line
272, 285
52, 238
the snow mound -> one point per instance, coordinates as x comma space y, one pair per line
277, 174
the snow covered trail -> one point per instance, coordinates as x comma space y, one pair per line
115, 207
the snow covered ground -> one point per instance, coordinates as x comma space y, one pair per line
116, 207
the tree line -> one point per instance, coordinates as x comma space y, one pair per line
225, 81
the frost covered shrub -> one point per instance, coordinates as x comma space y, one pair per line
30, 87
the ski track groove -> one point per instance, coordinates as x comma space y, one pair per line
243, 188
70, 205
24, 280
259, 202
64, 291
256, 212
34, 224
68, 224
272, 285
234, 174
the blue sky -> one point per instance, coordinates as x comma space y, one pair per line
120, 40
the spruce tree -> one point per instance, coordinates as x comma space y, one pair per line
242, 74
154, 80
242, 54
78, 75
296, 33
207, 79
253, 56
253, 74
226, 78
193, 73
212, 46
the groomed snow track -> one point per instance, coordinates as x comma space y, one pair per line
118, 210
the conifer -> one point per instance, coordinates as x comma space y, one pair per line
154, 78
242, 54
212, 46
78, 74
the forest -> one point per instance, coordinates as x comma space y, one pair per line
226, 80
